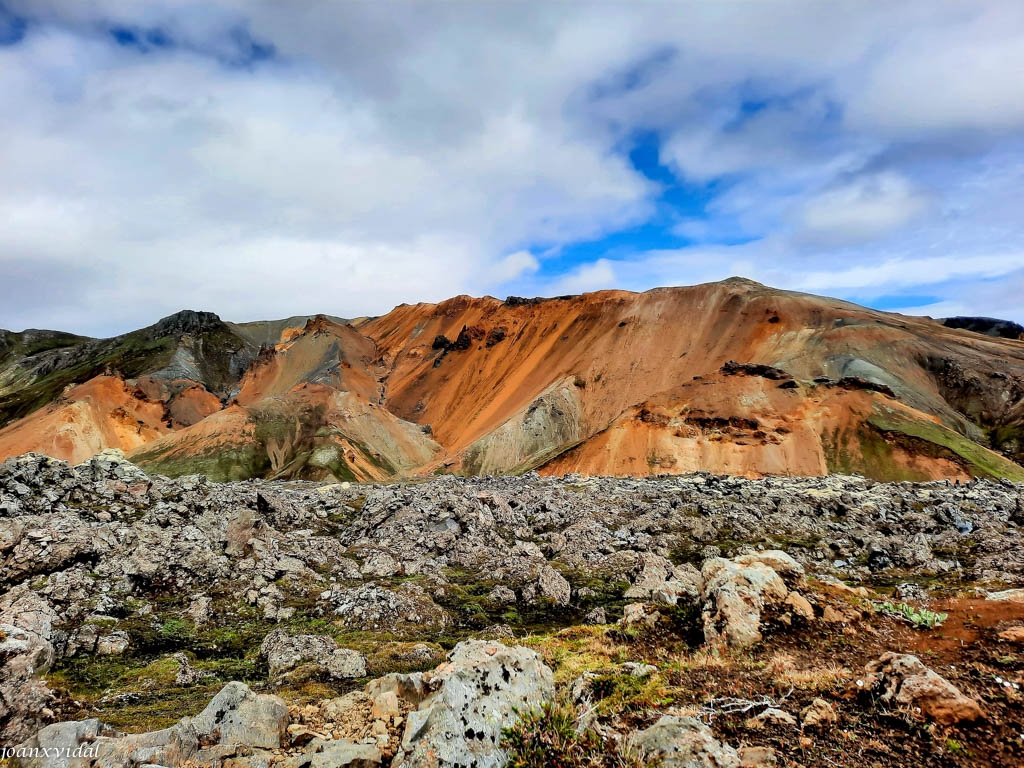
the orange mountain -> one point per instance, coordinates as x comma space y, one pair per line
729, 377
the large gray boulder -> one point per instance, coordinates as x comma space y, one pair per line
464, 704
64, 745
240, 716
372, 606
737, 592
552, 586
111, 464
55, 543
340, 754
26, 651
236, 718
297, 656
682, 742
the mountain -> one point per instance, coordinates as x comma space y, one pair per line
732, 377
269, 332
990, 326
70, 396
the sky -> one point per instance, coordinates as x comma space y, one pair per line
265, 159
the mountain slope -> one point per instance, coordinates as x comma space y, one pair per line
306, 408
195, 346
603, 354
270, 332
729, 377
72, 396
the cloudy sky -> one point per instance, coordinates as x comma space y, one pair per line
263, 159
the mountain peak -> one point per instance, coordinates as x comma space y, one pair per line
738, 280
187, 321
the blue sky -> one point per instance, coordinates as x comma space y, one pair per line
263, 159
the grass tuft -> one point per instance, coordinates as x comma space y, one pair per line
549, 738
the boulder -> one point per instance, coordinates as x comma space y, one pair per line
379, 564
596, 616
551, 586
771, 717
758, 757
901, 678
199, 610
800, 606
463, 705
346, 664
790, 570
344, 754
878, 559
26, 651
113, 644
374, 607
111, 464
296, 656
675, 590
682, 742
66, 745
818, 714
638, 614
654, 571
1010, 595
499, 632
187, 674
236, 718
502, 595
737, 592
58, 543
1012, 635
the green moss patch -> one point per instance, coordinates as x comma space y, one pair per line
979, 460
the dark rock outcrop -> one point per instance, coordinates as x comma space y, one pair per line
990, 326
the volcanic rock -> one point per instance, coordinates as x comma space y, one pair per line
682, 742
291, 656
476, 693
901, 678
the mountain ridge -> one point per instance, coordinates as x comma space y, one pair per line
672, 380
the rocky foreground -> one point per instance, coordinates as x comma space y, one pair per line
677, 621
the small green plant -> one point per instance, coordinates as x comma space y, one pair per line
954, 747
921, 618
177, 630
548, 738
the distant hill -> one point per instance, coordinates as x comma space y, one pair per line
1004, 329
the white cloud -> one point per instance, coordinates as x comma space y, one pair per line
403, 152
902, 273
595, 276
936, 310
863, 209
271, 190
514, 266
991, 298
959, 72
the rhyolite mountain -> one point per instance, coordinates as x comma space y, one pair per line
731, 377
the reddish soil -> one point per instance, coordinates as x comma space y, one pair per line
965, 650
